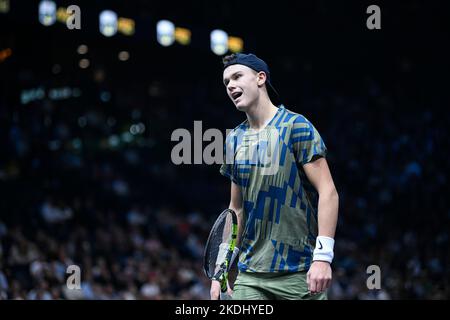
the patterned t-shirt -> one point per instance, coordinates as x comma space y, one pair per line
279, 203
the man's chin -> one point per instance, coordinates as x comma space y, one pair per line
241, 107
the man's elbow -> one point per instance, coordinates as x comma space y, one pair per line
335, 195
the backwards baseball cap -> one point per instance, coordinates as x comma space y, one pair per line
255, 63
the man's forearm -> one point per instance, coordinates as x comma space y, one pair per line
328, 213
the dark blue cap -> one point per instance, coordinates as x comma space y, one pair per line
255, 63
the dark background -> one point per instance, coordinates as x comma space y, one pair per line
136, 223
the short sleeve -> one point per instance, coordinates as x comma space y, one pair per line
227, 167
306, 141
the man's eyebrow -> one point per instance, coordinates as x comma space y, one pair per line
225, 80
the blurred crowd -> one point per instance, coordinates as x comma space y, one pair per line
149, 255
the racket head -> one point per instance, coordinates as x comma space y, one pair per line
224, 230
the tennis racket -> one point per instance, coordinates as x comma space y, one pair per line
218, 256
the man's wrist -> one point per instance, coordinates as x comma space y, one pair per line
324, 249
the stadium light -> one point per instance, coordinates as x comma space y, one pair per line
219, 42
126, 26
165, 33
84, 63
124, 55
82, 49
62, 15
108, 23
183, 36
47, 12
5, 54
235, 44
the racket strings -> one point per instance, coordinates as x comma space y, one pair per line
220, 233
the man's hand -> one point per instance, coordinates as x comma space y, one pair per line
229, 290
215, 290
318, 277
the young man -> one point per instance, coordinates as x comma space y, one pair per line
281, 190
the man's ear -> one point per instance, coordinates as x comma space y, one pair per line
261, 78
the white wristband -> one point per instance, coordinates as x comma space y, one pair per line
324, 249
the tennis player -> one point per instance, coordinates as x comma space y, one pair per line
281, 189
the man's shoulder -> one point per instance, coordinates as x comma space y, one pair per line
293, 118
240, 128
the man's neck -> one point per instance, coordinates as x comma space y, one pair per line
260, 115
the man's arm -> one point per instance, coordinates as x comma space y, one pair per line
237, 206
318, 173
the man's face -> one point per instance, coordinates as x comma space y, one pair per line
242, 85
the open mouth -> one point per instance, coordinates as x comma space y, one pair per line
236, 95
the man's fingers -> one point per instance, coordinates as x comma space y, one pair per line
328, 284
320, 285
229, 290
312, 285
